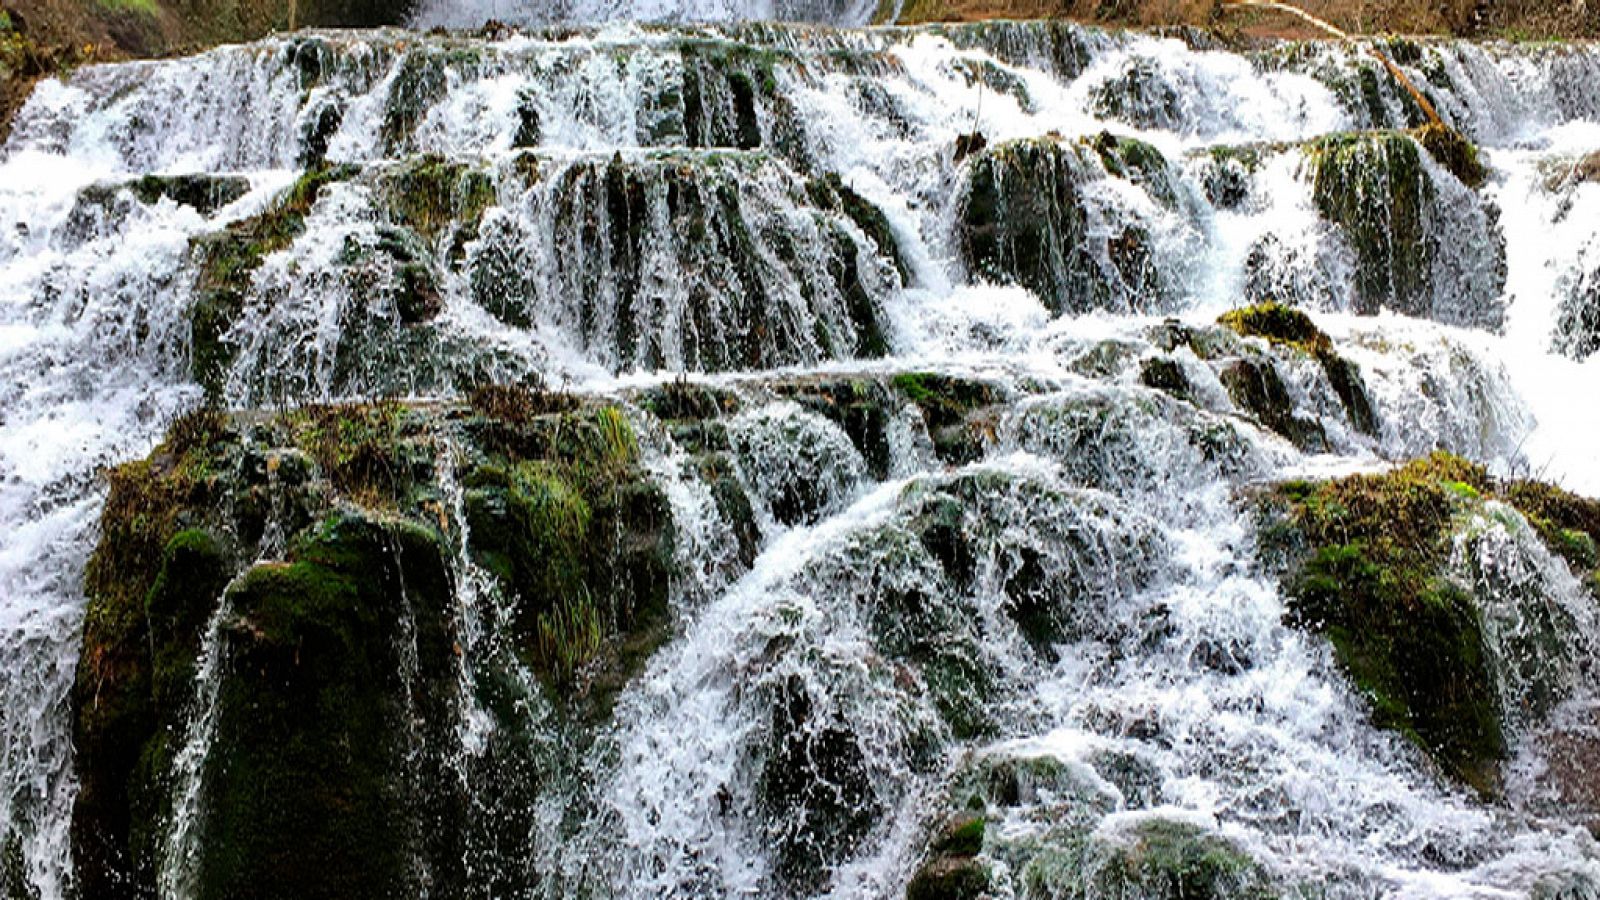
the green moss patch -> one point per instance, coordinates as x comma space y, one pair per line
1289, 327
1279, 324
1372, 578
948, 404
366, 450
152, 581
311, 789
436, 197
563, 514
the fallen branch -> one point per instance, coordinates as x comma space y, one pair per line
1379, 55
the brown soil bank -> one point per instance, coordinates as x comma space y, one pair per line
42, 37
1514, 19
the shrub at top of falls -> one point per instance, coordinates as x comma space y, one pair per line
323, 772
1033, 212
1425, 245
1372, 561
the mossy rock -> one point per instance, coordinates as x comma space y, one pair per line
1024, 219
1374, 186
151, 589
227, 262
949, 878
1166, 374
860, 407
205, 193
1168, 860
323, 727
570, 523
438, 198
1568, 523
1373, 582
1279, 324
830, 192
951, 408
1258, 389
311, 788
1290, 327
747, 257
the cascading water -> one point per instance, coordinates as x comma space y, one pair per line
958, 491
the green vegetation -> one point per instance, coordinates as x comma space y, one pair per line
433, 196
561, 513
138, 7
361, 448
319, 716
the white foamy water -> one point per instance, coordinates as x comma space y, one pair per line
700, 151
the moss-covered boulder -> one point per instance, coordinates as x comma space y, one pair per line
1289, 327
204, 193
952, 870
1410, 639
439, 200
319, 780
1027, 218
563, 514
960, 413
338, 671
1393, 210
152, 583
1155, 858
1368, 563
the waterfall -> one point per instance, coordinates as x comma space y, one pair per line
865, 401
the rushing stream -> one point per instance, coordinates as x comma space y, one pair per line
626, 203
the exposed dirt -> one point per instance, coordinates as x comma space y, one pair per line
43, 37
1514, 19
